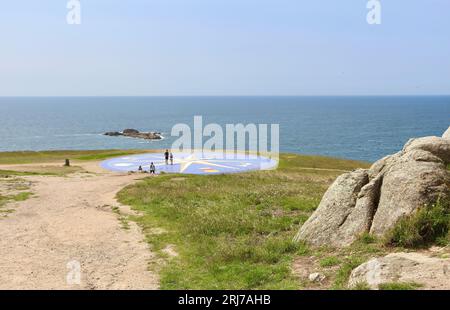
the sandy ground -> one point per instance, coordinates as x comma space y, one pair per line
69, 223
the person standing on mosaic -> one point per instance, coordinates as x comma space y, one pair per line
152, 168
166, 156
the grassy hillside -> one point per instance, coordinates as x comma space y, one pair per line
11, 158
232, 231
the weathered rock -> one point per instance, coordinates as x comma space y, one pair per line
429, 272
130, 132
438, 147
374, 200
407, 187
112, 133
323, 227
316, 277
381, 165
360, 220
146, 135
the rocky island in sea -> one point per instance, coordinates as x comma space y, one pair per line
133, 133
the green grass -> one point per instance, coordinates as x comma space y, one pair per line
232, 231
329, 261
3, 200
367, 238
12, 189
108, 154
426, 226
399, 286
295, 162
28, 157
9, 173
21, 196
122, 218
49, 171
17, 197
338, 263
343, 273
5, 212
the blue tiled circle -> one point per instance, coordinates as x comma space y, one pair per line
192, 163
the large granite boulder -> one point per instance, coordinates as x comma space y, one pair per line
337, 204
407, 186
374, 200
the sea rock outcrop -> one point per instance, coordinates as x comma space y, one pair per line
133, 133
113, 133
427, 271
373, 200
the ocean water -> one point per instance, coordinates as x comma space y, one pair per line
364, 128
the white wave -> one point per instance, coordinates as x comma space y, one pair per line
77, 135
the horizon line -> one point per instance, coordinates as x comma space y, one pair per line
217, 96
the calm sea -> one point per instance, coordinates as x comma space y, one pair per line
364, 128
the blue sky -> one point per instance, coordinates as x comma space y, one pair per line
224, 47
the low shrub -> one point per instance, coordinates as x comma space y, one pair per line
427, 226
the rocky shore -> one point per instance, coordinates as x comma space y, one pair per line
133, 133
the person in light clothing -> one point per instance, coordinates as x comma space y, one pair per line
152, 168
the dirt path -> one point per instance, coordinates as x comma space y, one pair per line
69, 221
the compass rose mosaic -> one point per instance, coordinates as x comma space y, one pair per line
192, 163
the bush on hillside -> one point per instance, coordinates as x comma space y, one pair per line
427, 226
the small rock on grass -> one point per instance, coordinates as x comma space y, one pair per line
316, 277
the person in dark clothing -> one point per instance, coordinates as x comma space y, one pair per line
140, 169
166, 156
152, 168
